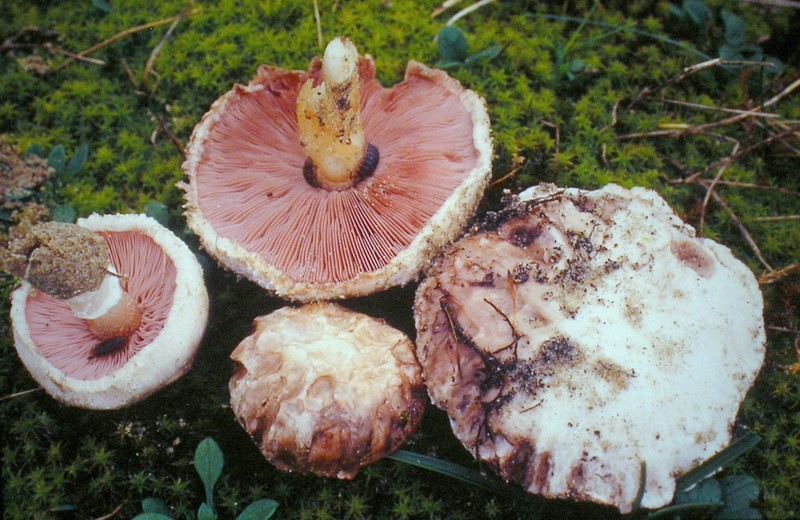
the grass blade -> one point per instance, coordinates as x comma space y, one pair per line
736, 449
451, 470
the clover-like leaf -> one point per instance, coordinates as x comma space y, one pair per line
78, 160
57, 158
452, 44
698, 12
734, 27
738, 492
63, 213
155, 505
157, 211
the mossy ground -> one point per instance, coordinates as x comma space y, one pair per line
579, 104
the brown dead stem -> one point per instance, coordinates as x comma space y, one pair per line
122, 34
778, 274
780, 131
742, 229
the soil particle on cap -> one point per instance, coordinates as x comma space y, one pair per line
63, 260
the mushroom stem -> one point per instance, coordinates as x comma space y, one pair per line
109, 311
72, 264
329, 122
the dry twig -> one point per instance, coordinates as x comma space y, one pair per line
742, 229
122, 34
779, 274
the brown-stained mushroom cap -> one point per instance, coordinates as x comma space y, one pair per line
251, 203
165, 281
584, 337
325, 390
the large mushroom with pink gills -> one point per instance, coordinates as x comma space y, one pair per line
110, 309
325, 390
587, 343
324, 184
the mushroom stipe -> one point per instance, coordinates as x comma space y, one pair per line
365, 168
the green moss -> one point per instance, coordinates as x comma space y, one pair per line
570, 102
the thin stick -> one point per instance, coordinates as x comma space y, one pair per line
710, 189
692, 69
19, 394
768, 103
505, 177
319, 25
738, 184
743, 230
156, 50
736, 154
720, 109
776, 218
777, 3
122, 34
444, 7
55, 50
112, 514
774, 276
464, 12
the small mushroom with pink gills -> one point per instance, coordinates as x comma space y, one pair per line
324, 184
583, 342
325, 390
110, 309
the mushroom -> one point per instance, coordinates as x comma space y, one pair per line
323, 184
581, 341
109, 310
322, 389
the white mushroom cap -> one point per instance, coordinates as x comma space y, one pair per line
164, 278
584, 334
249, 203
325, 390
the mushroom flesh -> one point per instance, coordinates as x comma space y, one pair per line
582, 340
325, 390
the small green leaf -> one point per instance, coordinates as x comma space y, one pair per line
733, 451
208, 462
102, 5
151, 516
35, 149
752, 52
707, 491
734, 28
259, 510
63, 508
452, 44
674, 10
63, 213
487, 54
730, 53
698, 12
449, 64
78, 160
155, 505
157, 211
57, 158
204, 512
738, 492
